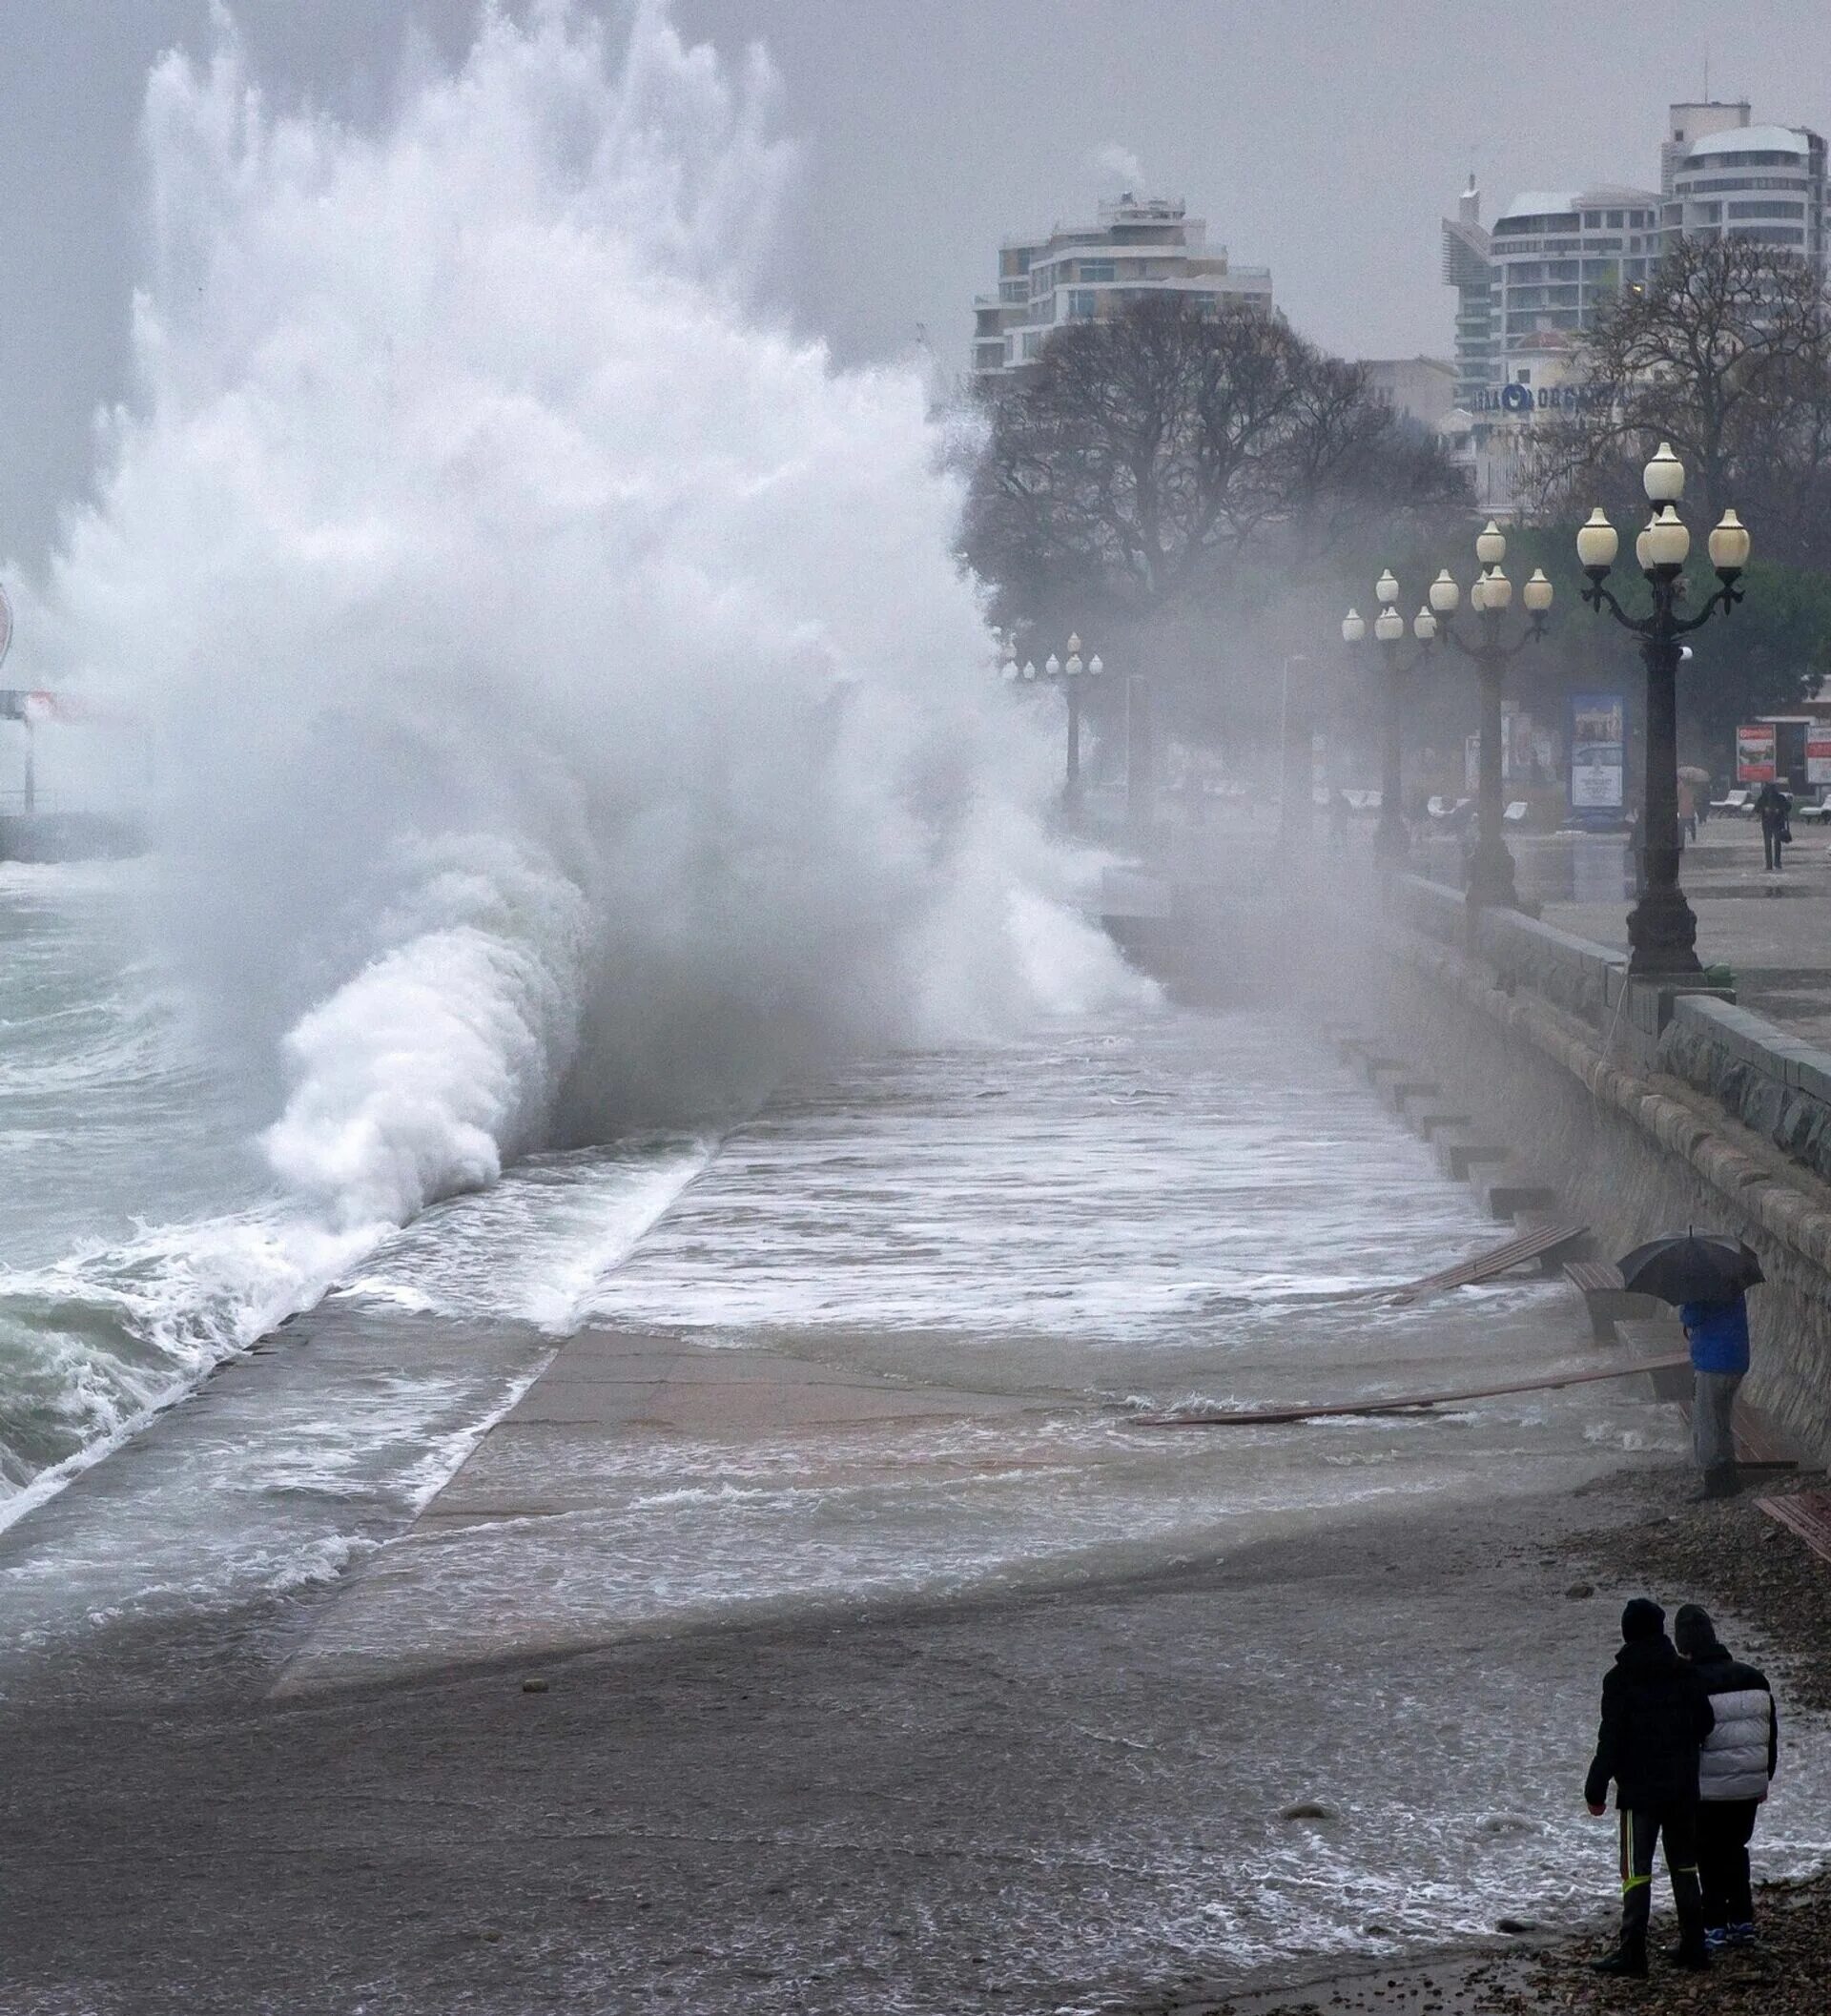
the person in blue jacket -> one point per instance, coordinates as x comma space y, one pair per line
1717, 1334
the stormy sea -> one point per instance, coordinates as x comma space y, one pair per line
597, 877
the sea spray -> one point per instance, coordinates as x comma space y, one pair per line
482, 554
571, 716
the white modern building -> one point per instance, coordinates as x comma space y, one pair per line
1724, 176
1136, 246
1416, 388
1527, 288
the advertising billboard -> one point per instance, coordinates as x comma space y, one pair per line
1756, 753
1598, 754
1818, 755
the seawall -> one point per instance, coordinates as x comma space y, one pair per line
1644, 1110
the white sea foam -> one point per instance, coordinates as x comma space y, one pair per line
571, 714
573, 710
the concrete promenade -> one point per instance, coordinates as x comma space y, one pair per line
492, 1568
1773, 929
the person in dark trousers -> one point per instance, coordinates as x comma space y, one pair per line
1717, 1334
1655, 1715
1734, 1769
1773, 808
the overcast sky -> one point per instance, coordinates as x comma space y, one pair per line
1321, 137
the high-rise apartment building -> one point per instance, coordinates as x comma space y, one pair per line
1529, 287
1722, 176
1138, 246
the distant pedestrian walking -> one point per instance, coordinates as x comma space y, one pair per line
1775, 809
1717, 1334
1736, 1767
1655, 1715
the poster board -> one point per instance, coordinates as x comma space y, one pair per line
1757, 753
1598, 752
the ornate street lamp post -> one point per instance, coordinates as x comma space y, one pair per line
1392, 843
1663, 929
1491, 873
1070, 677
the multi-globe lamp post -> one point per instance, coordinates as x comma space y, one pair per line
1392, 844
1490, 870
1662, 930
1071, 677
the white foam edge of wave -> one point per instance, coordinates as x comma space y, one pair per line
245, 1327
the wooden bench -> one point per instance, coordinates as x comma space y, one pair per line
1809, 1513
1541, 1241
1568, 1241
1659, 1337
1600, 1283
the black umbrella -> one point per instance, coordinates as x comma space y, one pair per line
1697, 1268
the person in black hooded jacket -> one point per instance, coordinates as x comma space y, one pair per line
1734, 1773
1655, 1715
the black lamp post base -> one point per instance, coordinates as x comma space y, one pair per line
1662, 935
1490, 878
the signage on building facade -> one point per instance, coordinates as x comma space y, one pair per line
1516, 401
1598, 752
1757, 753
1818, 756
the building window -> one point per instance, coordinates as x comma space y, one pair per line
1097, 269
1592, 220
1014, 290
1767, 210
1616, 217
1081, 306
1525, 378
1032, 340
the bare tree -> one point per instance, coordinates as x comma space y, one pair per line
1141, 454
1723, 353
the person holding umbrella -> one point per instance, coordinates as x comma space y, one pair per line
1707, 1279
1773, 809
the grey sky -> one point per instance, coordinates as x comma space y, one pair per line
1321, 137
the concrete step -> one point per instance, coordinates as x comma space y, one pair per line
1458, 1153
1402, 1093
1658, 1337
1432, 1120
1607, 1302
1506, 1189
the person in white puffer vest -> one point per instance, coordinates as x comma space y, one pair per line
1734, 1769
